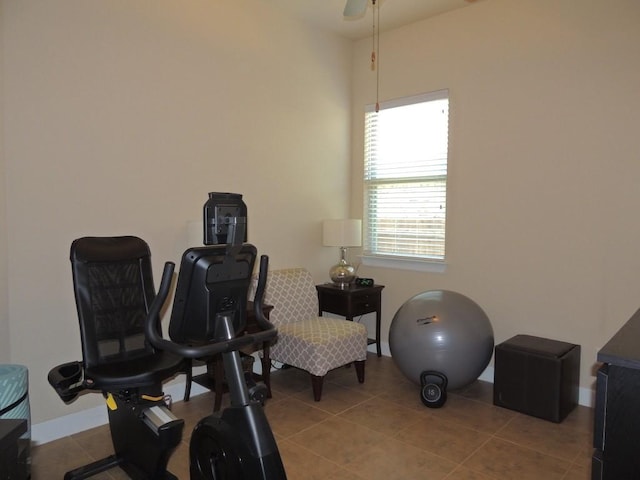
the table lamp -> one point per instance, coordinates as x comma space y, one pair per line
342, 233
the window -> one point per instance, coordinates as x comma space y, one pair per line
405, 179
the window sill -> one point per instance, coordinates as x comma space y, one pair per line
403, 263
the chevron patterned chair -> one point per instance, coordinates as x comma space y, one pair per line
306, 340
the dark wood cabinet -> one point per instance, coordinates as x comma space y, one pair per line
617, 412
351, 302
13, 450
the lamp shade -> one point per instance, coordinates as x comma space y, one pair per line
342, 233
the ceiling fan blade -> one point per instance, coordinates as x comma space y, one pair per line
355, 8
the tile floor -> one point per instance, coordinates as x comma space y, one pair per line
377, 430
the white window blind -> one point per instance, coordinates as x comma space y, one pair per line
405, 177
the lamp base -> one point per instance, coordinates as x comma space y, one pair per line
342, 274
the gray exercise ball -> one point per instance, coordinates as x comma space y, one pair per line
442, 331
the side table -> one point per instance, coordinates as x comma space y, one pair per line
352, 301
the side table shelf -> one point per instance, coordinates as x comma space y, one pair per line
351, 302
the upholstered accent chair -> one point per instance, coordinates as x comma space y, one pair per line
306, 340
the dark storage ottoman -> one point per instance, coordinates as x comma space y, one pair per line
537, 376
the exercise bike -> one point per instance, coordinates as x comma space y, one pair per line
209, 309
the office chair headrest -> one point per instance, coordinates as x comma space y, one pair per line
108, 249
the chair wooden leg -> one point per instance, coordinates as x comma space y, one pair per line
360, 370
316, 384
189, 372
266, 369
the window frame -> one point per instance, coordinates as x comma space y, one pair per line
404, 261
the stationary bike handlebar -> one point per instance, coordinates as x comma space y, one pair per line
152, 325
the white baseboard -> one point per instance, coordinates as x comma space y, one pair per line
94, 417
586, 396
68, 425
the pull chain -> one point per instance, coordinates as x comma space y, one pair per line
375, 53
373, 37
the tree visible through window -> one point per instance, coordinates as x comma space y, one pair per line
405, 177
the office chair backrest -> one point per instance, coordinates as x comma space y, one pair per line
113, 285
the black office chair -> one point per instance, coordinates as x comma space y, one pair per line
113, 284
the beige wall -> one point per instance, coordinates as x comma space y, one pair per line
543, 198
120, 116
5, 353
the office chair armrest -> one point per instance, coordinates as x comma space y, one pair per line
258, 298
